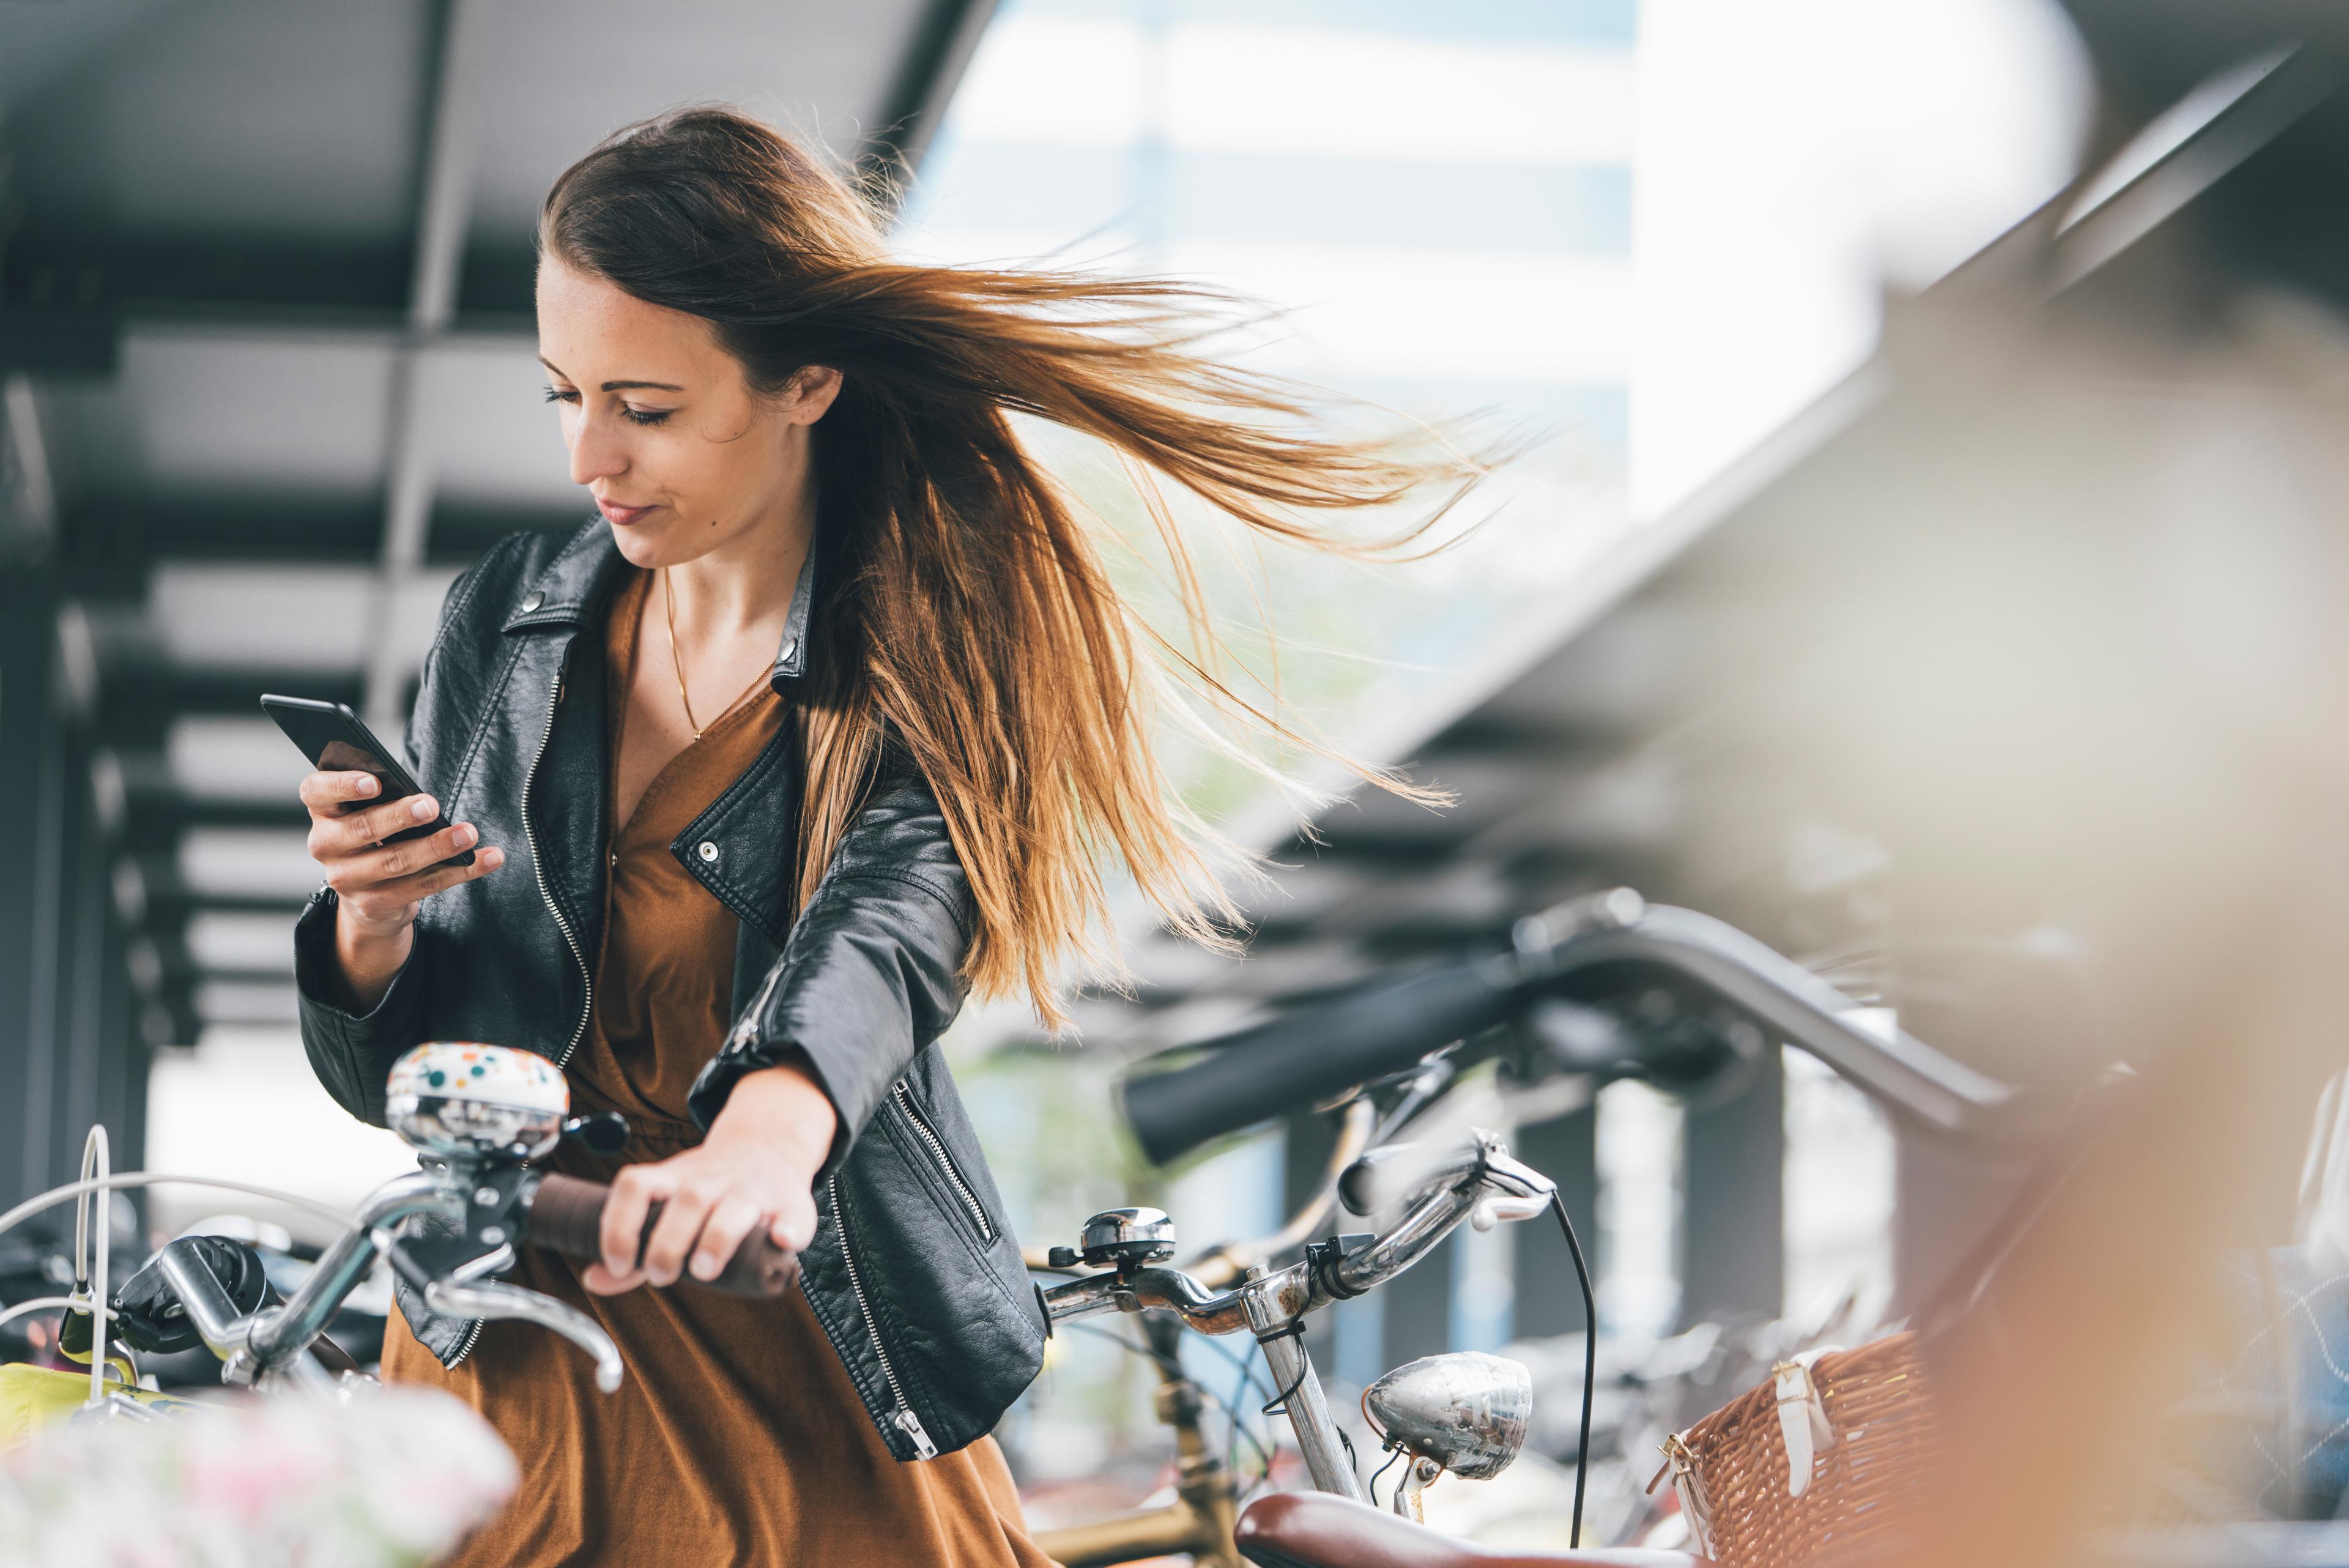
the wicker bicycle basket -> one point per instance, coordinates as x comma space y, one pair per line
1860, 1500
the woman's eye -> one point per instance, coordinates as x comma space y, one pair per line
635, 416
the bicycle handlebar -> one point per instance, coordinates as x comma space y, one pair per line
1305, 1058
1450, 1184
566, 1216
1296, 1061
558, 1212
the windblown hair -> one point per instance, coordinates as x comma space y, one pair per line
964, 608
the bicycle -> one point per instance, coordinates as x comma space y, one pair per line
478, 1116
1556, 981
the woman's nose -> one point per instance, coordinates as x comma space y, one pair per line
596, 452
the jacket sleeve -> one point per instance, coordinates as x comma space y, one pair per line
352, 1054
870, 974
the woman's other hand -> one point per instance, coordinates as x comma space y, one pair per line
377, 886
757, 1168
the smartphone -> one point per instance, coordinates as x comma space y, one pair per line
337, 740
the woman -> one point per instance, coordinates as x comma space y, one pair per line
820, 724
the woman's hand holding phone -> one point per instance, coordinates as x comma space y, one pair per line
377, 885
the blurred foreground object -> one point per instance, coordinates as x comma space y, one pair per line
393, 1477
2070, 619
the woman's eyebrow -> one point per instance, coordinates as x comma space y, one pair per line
617, 386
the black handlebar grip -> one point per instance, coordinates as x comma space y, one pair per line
1294, 1062
566, 1216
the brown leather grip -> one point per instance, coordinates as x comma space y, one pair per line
566, 1216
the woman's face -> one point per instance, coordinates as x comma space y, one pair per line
681, 455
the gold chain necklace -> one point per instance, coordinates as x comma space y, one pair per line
668, 602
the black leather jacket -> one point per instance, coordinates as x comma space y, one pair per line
914, 1272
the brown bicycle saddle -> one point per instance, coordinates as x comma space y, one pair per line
1314, 1530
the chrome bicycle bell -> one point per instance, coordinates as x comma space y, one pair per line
463, 1101
1466, 1411
1128, 1237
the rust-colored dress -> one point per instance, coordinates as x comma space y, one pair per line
736, 1438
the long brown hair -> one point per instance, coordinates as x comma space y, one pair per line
966, 609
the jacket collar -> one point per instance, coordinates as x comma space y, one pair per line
572, 590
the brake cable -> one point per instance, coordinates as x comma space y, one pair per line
1589, 1361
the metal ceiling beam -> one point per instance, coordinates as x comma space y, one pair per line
933, 68
461, 85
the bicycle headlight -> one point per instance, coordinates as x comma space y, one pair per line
460, 1100
1466, 1410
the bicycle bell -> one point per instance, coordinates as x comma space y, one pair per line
463, 1101
1466, 1410
1128, 1237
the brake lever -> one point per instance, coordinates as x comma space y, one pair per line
1502, 1209
1511, 1177
496, 1299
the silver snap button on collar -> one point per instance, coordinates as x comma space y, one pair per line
532, 602
708, 851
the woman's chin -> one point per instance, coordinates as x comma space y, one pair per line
647, 545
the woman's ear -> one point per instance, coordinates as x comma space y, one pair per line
809, 394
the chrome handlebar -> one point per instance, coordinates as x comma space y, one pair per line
274, 1344
1478, 1181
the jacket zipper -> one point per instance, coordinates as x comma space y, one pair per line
902, 1417
746, 1028
538, 870
928, 1134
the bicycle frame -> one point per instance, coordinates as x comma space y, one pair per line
1205, 1509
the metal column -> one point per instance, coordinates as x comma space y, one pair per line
32, 793
1549, 1297
1733, 1246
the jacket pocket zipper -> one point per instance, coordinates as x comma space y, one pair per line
902, 1417
945, 1162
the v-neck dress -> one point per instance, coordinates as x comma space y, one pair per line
737, 1437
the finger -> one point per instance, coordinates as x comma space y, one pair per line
793, 1225
633, 1191
603, 1282
324, 792
339, 838
676, 1232
375, 867
735, 1218
385, 900
365, 829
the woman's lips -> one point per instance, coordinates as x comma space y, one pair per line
620, 517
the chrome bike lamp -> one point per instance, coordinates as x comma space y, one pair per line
461, 1101
1466, 1411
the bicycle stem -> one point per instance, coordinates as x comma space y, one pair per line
1309, 1415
